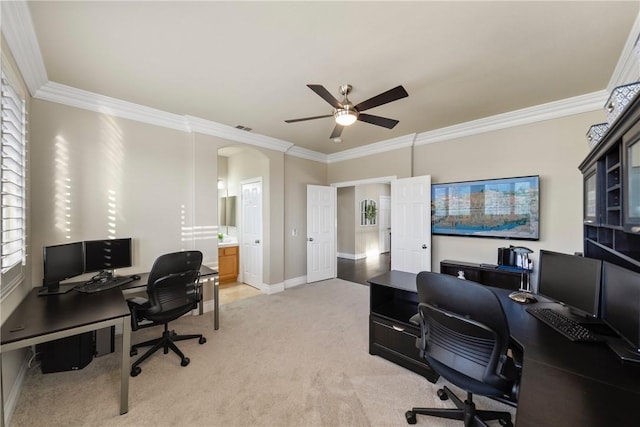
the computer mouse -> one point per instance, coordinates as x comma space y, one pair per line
135, 277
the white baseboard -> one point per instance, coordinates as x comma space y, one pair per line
351, 256
296, 281
272, 289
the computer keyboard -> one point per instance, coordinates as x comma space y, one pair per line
98, 286
567, 327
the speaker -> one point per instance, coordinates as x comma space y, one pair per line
66, 354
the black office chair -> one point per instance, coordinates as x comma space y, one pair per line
465, 339
172, 291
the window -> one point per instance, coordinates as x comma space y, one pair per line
12, 251
368, 212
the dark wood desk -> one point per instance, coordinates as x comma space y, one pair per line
563, 383
39, 319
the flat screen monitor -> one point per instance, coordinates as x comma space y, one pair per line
107, 255
61, 262
571, 280
621, 308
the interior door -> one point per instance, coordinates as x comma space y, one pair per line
251, 241
411, 224
321, 233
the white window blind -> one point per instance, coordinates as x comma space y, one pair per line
12, 252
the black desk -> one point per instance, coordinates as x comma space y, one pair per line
563, 383
39, 319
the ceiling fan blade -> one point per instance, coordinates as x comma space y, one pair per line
391, 95
337, 131
377, 120
308, 118
324, 94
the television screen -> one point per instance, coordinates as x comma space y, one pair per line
107, 254
505, 208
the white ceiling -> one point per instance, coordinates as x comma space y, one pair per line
248, 63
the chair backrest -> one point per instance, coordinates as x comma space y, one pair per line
175, 262
172, 285
464, 329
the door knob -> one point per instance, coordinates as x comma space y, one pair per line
310, 239
257, 241
424, 246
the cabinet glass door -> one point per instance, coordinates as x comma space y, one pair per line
632, 211
590, 192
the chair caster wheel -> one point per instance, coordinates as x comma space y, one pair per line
133, 352
185, 361
506, 423
202, 340
442, 394
410, 416
135, 371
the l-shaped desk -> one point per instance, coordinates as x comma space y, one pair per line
39, 319
563, 383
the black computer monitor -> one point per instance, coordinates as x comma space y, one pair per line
621, 309
107, 255
571, 280
61, 262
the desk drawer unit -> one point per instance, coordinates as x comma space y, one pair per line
396, 342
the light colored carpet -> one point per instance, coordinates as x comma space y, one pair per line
296, 358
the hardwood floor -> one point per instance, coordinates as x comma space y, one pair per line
360, 270
357, 271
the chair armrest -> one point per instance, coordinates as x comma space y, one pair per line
415, 319
135, 304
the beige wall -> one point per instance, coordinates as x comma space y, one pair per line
298, 173
391, 163
346, 218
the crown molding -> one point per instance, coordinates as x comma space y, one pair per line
208, 127
552, 110
375, 148
305, 153
67, 95
17, 28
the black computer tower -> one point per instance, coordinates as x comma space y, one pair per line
66, 354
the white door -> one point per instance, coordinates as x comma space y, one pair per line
385, 224
251, 235
321, 233
411, 224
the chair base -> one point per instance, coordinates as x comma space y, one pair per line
466, 411
166, 342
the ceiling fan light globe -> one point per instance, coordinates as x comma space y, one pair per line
345, 117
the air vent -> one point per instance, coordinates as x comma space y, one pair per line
243, 128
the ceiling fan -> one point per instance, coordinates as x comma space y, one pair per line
345, 113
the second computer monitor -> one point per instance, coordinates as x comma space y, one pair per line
621, 305
107, 255
571, 280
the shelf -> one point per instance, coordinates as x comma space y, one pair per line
613, 188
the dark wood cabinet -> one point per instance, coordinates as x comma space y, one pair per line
500, 277
611, 174
393, 301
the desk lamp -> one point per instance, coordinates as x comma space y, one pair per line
523, 295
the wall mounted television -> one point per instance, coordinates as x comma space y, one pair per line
507, 208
